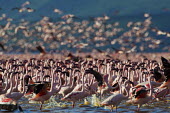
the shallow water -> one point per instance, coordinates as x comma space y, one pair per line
56, 106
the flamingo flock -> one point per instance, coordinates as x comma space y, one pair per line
114, 81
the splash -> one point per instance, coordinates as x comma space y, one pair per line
52, 103
95, 101
86, 103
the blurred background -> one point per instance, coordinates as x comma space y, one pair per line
28, 26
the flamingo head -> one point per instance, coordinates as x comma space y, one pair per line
66, 98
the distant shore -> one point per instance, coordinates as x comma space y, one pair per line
130, 56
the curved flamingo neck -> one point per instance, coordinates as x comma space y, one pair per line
16, 82
23, 84
6, 86
11, 85
127, 92
83, 75
60, 82
72, 82
151, 87
52, 83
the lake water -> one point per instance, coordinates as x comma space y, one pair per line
92, 106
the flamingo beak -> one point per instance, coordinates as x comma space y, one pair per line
62, 98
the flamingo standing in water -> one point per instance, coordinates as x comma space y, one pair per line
108, 87
4, 99
12, 97
43, 94
3, 88
141, 95
17, 95
67, 88
164, 89
76, 95
117, 98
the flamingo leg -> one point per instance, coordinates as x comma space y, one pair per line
100, 95
73, 104
116, 108
41, 105
111, 108
20, 109
138, 107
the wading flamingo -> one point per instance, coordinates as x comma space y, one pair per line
43, 94
141, 95
117, 98
76, 95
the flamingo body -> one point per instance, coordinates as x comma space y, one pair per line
115, 99
75, 96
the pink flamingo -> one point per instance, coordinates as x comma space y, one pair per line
108, 87
17, 95
76, 95
116, 98
44, 94
68, 87
141, 96
4, 99
57, 85
4, 89
161, 93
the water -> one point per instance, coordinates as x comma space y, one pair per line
56, 106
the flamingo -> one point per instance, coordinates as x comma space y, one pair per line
108, 87
4, 89
98, 76
141, 95
30, 86
160, 93
116, 98
44, 94
163, 89
17, 95
76, 95
57, 85
4, 99
68, 87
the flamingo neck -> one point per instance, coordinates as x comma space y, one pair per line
82, 83
11, 86
23, 86
151, 87
16, 82
60, 82
127, 92
52, 83
72, 82
108, 85
6, 86
92, 81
